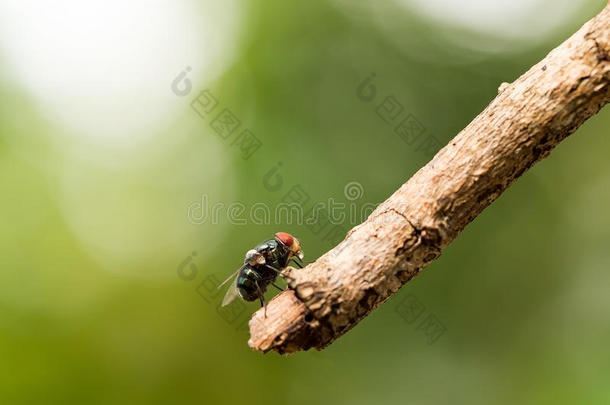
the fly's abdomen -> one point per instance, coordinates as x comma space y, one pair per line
246, 284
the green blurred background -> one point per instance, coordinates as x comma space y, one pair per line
101, 161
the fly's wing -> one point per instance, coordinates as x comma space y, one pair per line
232, 292
235, 273
230, 295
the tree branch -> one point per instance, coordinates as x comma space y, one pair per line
405, 233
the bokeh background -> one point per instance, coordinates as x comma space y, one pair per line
101, 159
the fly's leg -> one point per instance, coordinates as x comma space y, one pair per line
276, 286
279, 273
263, 304
274, 269
297, 263
261, 297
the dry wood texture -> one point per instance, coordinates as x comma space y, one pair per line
404, 234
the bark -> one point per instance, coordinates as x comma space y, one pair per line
404, 234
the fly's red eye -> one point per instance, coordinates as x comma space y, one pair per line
286, 238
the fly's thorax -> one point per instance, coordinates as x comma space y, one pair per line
276, 254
